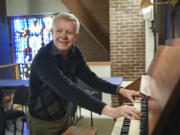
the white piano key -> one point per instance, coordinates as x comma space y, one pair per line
134, 128
117, 126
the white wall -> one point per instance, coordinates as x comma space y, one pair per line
149, 39
103, 71
34, 7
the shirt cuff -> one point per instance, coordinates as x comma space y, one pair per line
117, 90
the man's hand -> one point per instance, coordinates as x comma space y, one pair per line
129, 112
129, 94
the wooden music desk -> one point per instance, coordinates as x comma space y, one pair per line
80, 130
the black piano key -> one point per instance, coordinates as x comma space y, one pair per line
144, 117
125, 127
144, 120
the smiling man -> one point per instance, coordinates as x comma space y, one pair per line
54, 73
64, 33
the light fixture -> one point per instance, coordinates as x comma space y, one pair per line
147, 3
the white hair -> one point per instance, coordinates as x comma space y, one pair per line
68, 17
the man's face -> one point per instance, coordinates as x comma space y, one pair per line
64, 35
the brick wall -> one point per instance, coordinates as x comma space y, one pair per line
127, 40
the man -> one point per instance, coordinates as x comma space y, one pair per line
54, 71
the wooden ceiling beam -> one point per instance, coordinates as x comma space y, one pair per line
77, 8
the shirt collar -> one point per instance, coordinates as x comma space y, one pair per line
55, 51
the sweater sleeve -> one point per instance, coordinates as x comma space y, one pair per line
49, 73
90, 78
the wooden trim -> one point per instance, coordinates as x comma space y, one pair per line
99, 63
17, 71
2, 10
11, 65
80, 130
8, 65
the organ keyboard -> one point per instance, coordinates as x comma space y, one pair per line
123, 126
163, 88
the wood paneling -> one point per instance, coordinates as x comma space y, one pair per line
90, 48
2, 9
93, 17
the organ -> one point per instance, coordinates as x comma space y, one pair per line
162, 107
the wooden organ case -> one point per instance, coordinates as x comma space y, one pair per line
163, 117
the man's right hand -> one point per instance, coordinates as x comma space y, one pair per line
129, 112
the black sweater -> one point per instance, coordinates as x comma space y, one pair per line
52, 83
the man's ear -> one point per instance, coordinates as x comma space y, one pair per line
76, 36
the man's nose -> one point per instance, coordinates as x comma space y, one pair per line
64, 34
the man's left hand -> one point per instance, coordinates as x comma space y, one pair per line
129, 94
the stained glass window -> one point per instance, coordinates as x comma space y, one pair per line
29, 34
